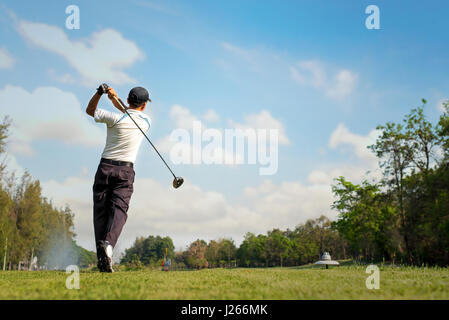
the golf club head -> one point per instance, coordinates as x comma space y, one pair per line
177, 182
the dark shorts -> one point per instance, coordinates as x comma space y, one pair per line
112, 190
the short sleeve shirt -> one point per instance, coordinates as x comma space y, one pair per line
123, 137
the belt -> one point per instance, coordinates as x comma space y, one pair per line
117, 163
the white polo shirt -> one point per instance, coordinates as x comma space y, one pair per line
123, 137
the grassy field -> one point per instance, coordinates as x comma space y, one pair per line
346, 282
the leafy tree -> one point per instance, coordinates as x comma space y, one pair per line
423, 139
278, 245
394, 150
245, 252
227, 252
443, 132
29, 216
195, 256
4, 133
251, 252
150, 250
363, 217
212, 254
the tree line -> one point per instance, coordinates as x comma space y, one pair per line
33, 232
302, 245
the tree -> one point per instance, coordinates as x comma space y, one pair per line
363, 217
212, 254
196, 254
226, 251
443, 131
278, 245
422, 137
7, 226
150, 250
244, 252
252, 251
29, 216
4, 133
393, 148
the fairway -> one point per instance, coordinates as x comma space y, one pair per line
275, 283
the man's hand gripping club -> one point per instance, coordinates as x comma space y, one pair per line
102, 89
112, 95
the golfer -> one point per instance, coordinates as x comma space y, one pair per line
114, 179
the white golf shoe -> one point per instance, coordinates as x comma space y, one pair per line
104, 250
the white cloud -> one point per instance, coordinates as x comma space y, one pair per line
335, 83
211, 116
309, 72
66, 78
289, 203
102, 56
6, 60
47, 113
364, 166
12, 165
342, 136
182, 117
313, 73
319, 177
344, 83
262, 120
354, 173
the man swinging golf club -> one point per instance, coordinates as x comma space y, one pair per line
114, 178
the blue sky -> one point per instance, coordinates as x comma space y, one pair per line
312, 65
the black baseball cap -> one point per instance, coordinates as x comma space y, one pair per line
138, 95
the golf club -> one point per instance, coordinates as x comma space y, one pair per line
177, 181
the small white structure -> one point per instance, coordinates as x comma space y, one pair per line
326, 260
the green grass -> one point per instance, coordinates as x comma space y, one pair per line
346, 282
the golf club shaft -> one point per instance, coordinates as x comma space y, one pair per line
126, 111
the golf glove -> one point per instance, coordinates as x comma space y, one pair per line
103, 88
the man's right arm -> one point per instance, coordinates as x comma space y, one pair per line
111, 95
93, 103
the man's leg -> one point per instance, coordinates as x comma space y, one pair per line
101, 205
119, 199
